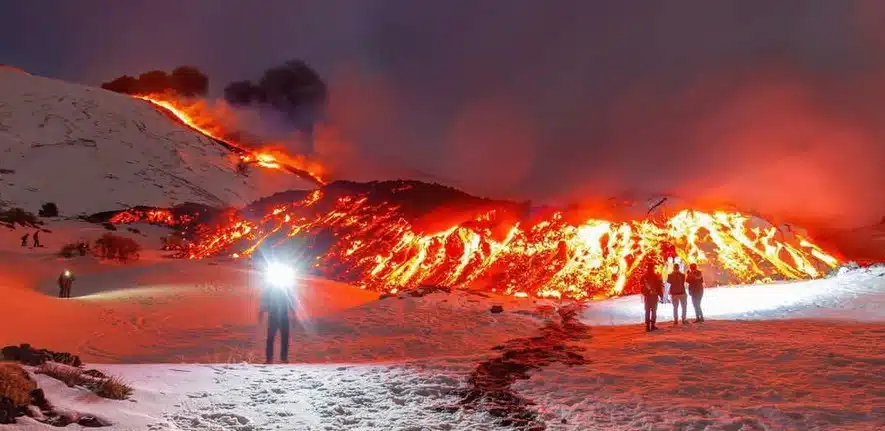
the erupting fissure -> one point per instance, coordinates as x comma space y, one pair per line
376, 246
196, 116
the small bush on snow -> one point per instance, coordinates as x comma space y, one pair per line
113, 388
16, 384
110, 387
116, 247
73, 249
14, 216
49, 209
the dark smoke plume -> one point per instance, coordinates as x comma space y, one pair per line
293, 89
186, 81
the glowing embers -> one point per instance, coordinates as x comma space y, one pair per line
151, 216
376, 246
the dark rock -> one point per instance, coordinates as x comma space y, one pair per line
91, 422
30, 356
38, 398
59, 421
422, 291
9, 411
497, 309
563, 421
386, 295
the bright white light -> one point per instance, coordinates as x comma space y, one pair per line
67, 273
279, 275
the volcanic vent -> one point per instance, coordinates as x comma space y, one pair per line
399, 234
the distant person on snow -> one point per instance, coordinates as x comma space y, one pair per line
36, 239
677, 294
275, 302
65, 281
652, 290
25, 240
695, 279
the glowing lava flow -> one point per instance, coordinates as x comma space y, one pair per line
196, 116
376, 247
152, 216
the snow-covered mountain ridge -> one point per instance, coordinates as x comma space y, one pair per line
91, 150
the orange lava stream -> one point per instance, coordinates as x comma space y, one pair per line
196, 116
377, 248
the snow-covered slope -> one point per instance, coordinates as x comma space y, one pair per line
91, 150
789, 356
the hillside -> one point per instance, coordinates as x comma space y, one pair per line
91, 150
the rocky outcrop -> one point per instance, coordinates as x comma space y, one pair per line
30, 356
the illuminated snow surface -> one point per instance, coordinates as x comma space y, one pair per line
797, 356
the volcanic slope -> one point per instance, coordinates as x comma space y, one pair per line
91, 150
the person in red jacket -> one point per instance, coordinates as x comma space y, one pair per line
695, 279
652, 290
677, 294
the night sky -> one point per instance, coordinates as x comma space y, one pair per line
775, 105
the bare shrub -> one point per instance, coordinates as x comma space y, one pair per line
69, 250
15, 383
115, 247
14, 216
49, 209
111, 387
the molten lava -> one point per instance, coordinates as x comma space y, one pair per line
152, 216
375, 246
197, 116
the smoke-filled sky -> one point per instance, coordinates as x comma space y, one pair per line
774, 105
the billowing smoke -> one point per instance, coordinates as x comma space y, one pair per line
292, 89
185, 81
774, 106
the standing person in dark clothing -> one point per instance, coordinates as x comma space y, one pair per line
65, 282
677, 294
652, 290
695, 279
36, 239
25, 240
276, 302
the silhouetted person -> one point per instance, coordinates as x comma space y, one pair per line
695, 279
65, 282
25, 240
36, 239
652, 290
677, 294
275, 302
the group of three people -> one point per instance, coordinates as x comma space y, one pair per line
653, 290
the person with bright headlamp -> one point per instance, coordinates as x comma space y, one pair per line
276, 300
65, 281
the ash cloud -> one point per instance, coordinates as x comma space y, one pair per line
184, 81
292, 89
